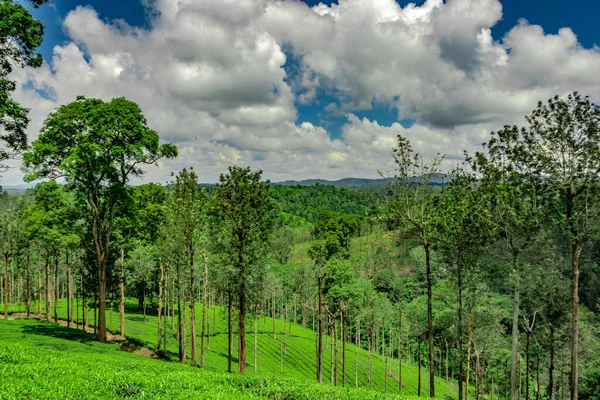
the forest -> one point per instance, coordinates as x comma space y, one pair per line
478, 281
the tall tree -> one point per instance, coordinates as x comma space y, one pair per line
516, 214
245, 208
462, 229
20, 36
96, 147
187, 211
414, 204
560, 146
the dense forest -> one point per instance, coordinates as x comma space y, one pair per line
483, 278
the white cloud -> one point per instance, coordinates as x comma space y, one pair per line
209, 75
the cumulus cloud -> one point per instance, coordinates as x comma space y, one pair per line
214, 77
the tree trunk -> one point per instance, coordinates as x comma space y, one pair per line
419, 367
204, 300
27, 286
192, 306
242, 330
477, 375
229, 333
574, 383
430, 320
273, 314
460, 329
335, 352
255, 344
160, 301
39, 283
514, 381
446, 361
551, 390
370, 344
470, 337
343, 350
69, 309
356, 355
56, 261
320, 333
6, 257
400, 358
537, 375
527, 364
285, 314
180, 332
121, 294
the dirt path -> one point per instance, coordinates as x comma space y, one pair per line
125, 346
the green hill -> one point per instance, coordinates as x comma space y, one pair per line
43, 360
298, 361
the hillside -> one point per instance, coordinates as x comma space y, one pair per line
297, 362
36, 356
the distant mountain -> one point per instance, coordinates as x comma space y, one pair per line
436, 179
345, 182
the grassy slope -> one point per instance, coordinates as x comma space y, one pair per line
299, 362
41, 360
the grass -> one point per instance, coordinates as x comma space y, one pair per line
41, 360
298, 363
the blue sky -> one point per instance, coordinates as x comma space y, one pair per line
303, 92
581, 15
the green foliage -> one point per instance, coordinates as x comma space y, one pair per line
309, 201
244, 209
52, 218
20, 36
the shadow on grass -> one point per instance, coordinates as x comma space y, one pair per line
52, 330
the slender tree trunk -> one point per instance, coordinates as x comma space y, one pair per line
574, 383
180, 332
477, 375
460, 329
95, 314
39, 283
400, 384
56, 261
242, 329
320, 333
430, 320
84, 305
527, 364
6, 257
27, 286
273, 314
204, 301
229, 333
335, 352
285, 315
184, 322
192, 305
514, 381
69, 309
470, 336
160, 301
356, 355
537, 375
370, 344
551, 390
255, 344
121, 294
343, 349
419, 367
